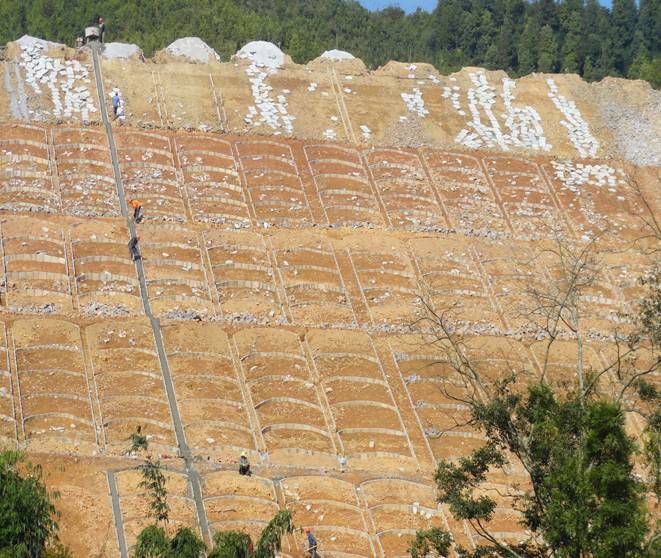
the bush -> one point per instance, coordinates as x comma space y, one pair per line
186, 544
27, 514
231, 544
152, 543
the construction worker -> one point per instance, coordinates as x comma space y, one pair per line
102, 28
244, 465
116, 102
133, 248
312, 543
137, 210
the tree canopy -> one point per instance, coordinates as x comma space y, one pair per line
28, 527
520, 37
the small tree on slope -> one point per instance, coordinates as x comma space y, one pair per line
28, 527
235, 544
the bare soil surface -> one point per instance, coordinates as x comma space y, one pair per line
285, 266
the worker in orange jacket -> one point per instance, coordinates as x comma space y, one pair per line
137, 210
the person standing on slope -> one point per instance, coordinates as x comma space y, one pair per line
312, 543
115, 103
133, 248
137, 211
244, 464
102, 28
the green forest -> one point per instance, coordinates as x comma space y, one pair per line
574, 36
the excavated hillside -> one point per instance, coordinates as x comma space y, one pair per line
298, 220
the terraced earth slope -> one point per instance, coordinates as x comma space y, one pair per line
296, 219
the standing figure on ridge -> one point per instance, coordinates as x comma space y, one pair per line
102, 28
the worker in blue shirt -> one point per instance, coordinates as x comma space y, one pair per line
115, 103
312, 543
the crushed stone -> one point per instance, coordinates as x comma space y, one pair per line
336, 54
29, 42
193, 49
632, 120
415, 103
578, 130
523, 122
262, 54
94, 308
48, 308
184, 315
112, 51
62, 78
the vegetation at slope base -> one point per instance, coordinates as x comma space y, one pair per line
574, 36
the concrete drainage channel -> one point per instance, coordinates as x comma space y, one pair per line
117, 514
184, 450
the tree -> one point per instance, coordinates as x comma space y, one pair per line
28, 527
231, 544
428, 540
271, 537
580, 496
186, 544
589, 71
607, 58
235, 544
640, 58
527, 47
486, 34
651, 71
623, 22
153, 480
548, 13
138, 441
505, 46
571, 48
649, 24
152, 542
548, 50
650, 307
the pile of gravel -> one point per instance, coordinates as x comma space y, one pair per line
632, 118
193, 49
262, 54
26, 42
120, 50
337, 55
